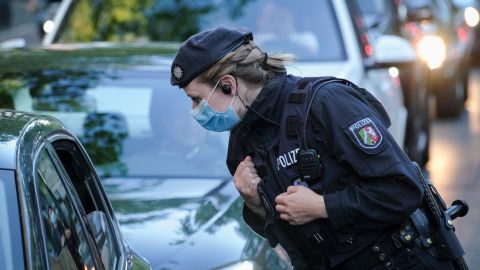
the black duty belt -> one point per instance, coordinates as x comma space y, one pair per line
380, 252
412, 231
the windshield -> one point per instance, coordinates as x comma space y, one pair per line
130, 120
306, 28
11, 252
372, 7
417, 4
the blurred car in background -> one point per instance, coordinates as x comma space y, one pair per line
53, 210
329, 39
339, 48
430, 25
165, 175
467, 13
383, 18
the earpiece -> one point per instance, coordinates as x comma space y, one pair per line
226, 89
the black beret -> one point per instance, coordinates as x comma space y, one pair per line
203, 50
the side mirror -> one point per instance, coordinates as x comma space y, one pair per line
393, 50
100, 229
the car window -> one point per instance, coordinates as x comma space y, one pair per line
445, 11
66, 240
11, 250
380, 15
414, 4
306, 28
372, 6
360, 31
131, 121
92, 199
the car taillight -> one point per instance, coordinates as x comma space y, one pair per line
413, 31
367, 47
462, 35
368, 50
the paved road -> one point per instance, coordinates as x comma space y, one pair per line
455, 167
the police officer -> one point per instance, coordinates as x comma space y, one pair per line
319, 173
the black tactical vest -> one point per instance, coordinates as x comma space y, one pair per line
277, 165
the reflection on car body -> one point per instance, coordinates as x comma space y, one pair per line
51, 198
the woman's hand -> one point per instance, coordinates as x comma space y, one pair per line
300, 205
246, 180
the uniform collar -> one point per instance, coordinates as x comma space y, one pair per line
269, 102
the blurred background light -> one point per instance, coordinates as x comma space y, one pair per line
432, 50
472, 17
48, 26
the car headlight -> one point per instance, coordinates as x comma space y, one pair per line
432, 50
243, 265
472, 17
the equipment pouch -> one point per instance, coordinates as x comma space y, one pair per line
320, 236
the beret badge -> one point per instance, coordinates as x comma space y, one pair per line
177, 72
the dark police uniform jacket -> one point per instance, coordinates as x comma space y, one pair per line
368, 184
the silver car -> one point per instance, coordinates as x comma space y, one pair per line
53, 210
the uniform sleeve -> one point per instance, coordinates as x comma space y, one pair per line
234, 157
387, 190
256, 223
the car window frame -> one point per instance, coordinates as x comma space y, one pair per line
102, 203
48, 148
360, 30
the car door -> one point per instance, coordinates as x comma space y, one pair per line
66, 240
78, 224
11, 249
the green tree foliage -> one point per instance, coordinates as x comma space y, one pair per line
112, 20
130, 20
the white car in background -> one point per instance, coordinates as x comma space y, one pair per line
328, 39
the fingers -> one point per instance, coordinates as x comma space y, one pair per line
248, 173
288, 219
281, 208
284, 217
281, 199
254, 182
247, 162
246, 180
292, 189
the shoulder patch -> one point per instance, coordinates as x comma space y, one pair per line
366, 135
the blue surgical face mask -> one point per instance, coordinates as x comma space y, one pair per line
212, 120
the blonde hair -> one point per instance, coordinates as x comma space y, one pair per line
248, 63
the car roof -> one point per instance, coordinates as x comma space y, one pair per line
83, 54
22, 130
